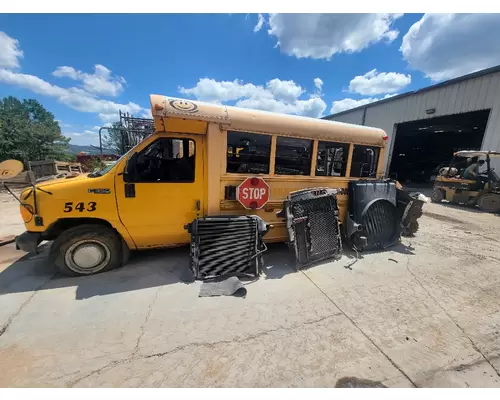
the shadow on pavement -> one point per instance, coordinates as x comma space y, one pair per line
397, 248
146, 269
278, 261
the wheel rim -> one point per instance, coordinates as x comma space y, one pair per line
87, 256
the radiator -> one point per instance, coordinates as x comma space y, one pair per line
381, 225
226, 246
313, 225
373, 221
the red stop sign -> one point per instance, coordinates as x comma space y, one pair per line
253, 193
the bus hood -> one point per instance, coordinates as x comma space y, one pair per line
60, 181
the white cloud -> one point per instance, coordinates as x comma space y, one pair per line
445, 46
260, 23
75, 98
313, 107
276, 95
10, 53
68, 72
109, 117
284, 90
374, 82
146, 114
81, 99
213, 91
323, 35
347, 104
101, 82
318, 83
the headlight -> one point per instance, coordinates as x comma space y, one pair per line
27, 212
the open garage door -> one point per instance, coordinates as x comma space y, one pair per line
423, 146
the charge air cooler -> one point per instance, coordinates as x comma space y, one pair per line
226, 246
373, 221
312, 220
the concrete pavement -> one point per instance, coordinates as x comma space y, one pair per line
426, 313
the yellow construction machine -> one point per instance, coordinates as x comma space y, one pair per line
469, 179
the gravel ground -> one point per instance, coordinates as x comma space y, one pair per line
425, 313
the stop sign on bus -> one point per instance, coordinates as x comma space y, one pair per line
253, 193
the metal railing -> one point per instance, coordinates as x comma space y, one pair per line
133, 131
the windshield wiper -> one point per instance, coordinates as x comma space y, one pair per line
95, 174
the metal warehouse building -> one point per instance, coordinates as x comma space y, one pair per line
425, 127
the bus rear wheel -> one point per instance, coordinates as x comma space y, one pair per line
437, 195
87, 250
489, 202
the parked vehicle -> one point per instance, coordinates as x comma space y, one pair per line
190, 167
453, 186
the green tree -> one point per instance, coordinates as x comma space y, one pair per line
28, 132
112, 138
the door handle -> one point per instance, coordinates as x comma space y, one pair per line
198, 205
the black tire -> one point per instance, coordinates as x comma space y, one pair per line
88, 243
489, 202
437, 195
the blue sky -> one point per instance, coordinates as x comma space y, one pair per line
83, 68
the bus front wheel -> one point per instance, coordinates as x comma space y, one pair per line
87, 250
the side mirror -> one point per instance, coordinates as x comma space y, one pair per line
130, 169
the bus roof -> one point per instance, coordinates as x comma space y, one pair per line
244, 119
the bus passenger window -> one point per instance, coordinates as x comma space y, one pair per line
364, 161
167, 160
248, 153
332, 159
293, 156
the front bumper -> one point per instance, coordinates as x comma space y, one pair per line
28, 241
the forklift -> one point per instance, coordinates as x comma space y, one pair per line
484, 191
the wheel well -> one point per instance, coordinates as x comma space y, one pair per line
63, 224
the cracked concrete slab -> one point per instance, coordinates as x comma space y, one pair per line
435, 308
429, 314
311, 354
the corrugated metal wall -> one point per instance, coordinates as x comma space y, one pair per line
354, 117
473, 94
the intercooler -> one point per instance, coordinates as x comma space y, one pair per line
226, 246
312, 217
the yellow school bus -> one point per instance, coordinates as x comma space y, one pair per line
187, 169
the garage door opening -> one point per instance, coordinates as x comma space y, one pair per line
424, 146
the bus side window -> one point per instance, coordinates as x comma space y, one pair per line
364, 161
248, 153
332, 159
293, 156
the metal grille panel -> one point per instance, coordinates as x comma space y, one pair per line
313, 225
225, 246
